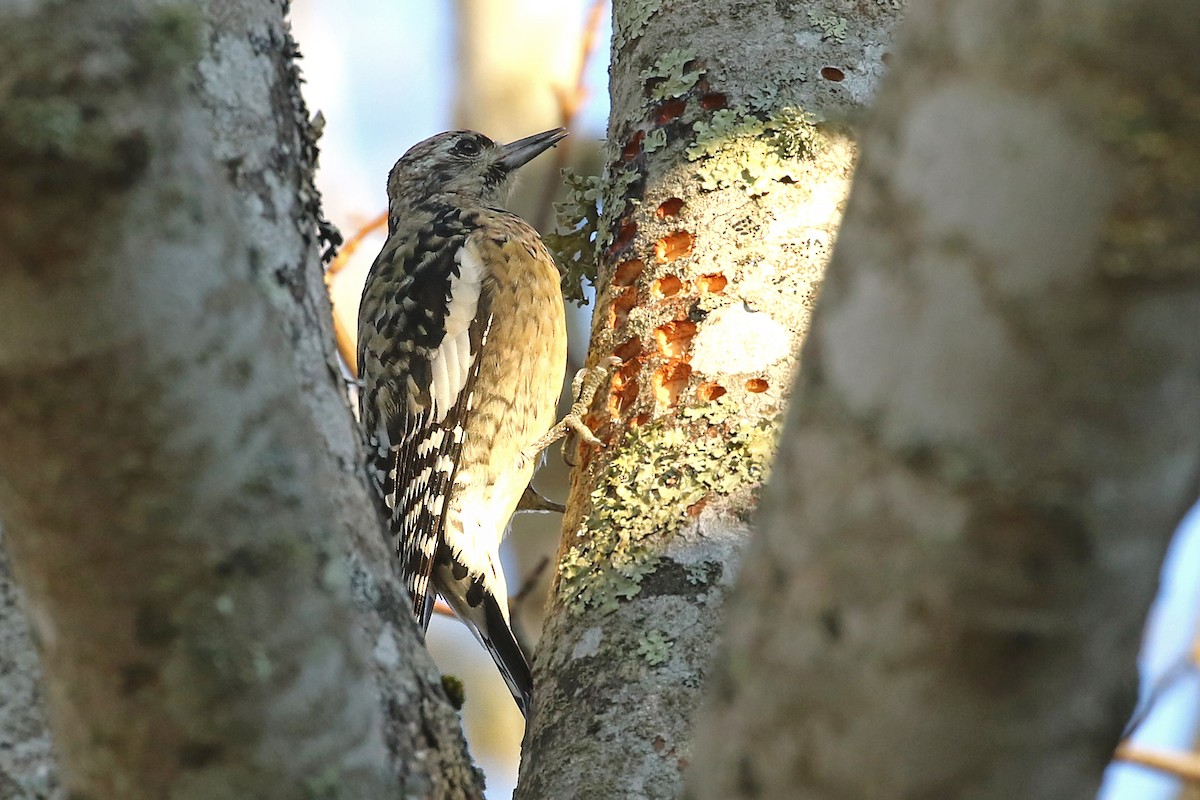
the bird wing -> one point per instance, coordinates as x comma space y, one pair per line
419, 355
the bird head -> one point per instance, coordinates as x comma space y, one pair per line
465, 164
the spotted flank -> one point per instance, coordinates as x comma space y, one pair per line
417, 414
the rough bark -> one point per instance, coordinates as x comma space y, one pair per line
27, 768
996, 426
728, 164
178, 480
262, 136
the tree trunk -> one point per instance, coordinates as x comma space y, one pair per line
265, 142
180, 482
27, 768
996, 426
728, 164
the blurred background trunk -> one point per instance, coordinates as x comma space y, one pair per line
996, 427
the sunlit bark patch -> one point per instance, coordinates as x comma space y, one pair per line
714, 283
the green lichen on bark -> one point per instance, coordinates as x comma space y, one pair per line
645, 496
630, 20
654, 647
830, 25
734, 148
670, 76
67, 115
325, 786
573, 246
585, 222
43, 126
170, 38
700, 572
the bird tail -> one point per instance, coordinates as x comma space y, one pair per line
487, 618
500, 642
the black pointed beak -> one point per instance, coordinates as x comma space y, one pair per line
521, 152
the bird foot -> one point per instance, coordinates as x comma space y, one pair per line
584, 386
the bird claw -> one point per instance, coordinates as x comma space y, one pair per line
584, 386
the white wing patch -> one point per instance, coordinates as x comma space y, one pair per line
451, 362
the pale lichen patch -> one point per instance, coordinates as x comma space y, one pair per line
830, 25
630, 20
653, 647
588, 644
733, 148
673, 75
386, 653
659, 472
654, 140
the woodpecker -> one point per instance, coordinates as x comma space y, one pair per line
461, 357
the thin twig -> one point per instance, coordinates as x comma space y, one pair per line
1181, 765
345, 338
531, 580
570, 100
518, 629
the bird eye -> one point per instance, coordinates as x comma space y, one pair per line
467, 147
